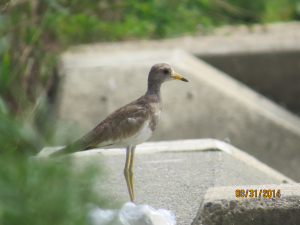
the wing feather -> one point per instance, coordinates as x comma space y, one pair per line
121, 124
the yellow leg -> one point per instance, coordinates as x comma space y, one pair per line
127, 173
131, 171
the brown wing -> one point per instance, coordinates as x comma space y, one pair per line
121, 124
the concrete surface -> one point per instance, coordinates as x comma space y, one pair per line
175, 175
221, 206
211, 105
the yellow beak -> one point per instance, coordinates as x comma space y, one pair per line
178, 77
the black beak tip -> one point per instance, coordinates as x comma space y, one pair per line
185, 80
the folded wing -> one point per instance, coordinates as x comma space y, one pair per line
121, 124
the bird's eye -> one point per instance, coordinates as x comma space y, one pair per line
166, 71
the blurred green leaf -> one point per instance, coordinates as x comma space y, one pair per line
5, 73
41, 191
3, 108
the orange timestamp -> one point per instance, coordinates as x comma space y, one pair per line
257, 193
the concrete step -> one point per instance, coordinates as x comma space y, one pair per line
175, 175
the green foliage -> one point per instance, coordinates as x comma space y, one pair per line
4, 78
262, 11
281, 10
42, 193
131, 19
40, 190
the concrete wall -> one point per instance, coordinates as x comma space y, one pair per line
211, 105
275, 75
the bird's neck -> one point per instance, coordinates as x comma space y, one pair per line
154, 90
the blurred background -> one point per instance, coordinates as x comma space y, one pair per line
32, 36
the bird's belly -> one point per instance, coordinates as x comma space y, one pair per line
141, 136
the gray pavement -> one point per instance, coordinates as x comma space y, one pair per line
167, 176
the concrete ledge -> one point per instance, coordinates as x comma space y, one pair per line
207, 144
160, 146
221, 206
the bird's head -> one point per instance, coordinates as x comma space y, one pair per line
162, 72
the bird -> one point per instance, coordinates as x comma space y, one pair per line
129, 125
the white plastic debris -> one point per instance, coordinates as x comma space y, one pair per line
131, 214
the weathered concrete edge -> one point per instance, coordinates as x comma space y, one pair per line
184, 146
221, 204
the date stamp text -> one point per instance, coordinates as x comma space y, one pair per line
257, 193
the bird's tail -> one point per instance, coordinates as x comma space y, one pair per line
71, 148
